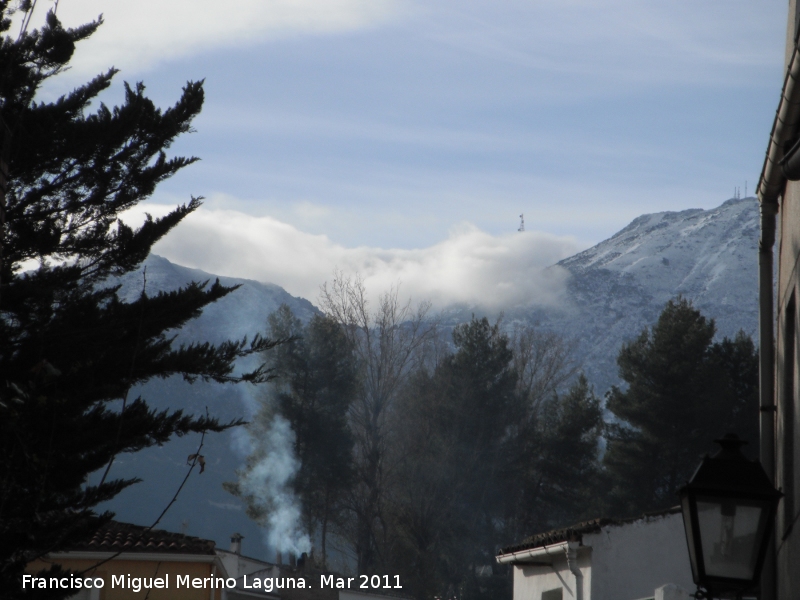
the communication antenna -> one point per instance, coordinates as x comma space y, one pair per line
745, 188
521, 223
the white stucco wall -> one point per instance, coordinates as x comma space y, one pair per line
630, 561
530, 581
621, 562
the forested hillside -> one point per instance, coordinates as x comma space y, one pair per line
616, 290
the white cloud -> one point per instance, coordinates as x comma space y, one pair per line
470, 266
617, 40
138, 35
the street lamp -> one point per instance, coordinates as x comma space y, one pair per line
728, 512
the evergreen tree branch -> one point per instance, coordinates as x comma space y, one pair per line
130, 376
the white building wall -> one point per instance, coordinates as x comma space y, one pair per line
630, 561
530, 581
621, 562
237, 565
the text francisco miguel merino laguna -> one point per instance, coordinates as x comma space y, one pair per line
267, 584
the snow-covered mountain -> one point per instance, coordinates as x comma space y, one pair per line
620, 286
239, 314
615, 289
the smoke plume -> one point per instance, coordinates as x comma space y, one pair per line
267, 480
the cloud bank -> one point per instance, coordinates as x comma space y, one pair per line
469, 267
138, 35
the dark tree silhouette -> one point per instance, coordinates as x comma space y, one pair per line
684, 390
70, 349
315, 382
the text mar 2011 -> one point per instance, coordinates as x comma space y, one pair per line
365, 582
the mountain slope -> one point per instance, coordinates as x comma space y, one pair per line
203, 508
620, 286
615, 289
239, 314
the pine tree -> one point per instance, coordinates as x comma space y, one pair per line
737, 358
556, 434
315, 382
70, 350
448, 506
556, 463
683, 391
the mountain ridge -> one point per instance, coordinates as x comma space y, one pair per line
615, 289
619, 286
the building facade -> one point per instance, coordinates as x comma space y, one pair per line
124, 561
603, 559
779, 197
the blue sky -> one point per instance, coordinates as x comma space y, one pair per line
402, 139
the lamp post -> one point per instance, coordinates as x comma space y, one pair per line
728, 512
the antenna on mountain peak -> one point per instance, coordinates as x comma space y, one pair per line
521, 223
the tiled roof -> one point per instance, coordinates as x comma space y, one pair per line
124, 537
574, 533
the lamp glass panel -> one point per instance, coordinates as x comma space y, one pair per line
730, 535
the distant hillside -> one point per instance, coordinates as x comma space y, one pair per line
620, 286
239, 314
616, 288
203, 508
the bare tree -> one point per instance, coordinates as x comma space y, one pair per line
386, 342
555, 433
544, 362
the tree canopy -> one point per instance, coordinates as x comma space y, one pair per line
70, 349
315, 379
418, 457
683, 391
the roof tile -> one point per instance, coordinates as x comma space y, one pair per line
125, 537
574, 533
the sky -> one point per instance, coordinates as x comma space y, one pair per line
402, 139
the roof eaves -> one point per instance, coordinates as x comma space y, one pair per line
784, 128
575, 533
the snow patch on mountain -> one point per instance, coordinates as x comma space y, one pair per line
241, 313
620, 286
613, 291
